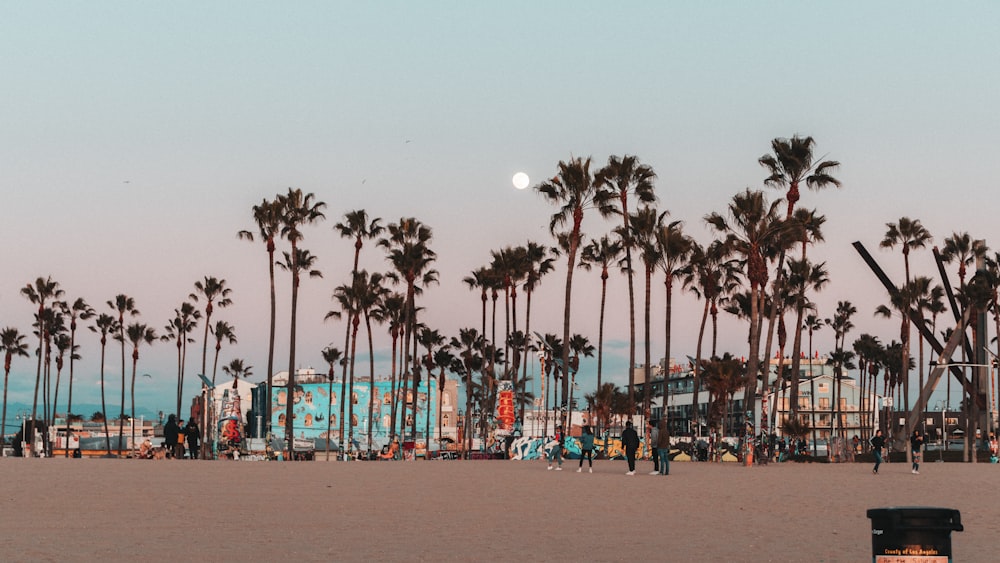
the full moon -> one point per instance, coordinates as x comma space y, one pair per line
521, 180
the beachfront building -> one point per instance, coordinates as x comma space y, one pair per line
818, 407
314, 402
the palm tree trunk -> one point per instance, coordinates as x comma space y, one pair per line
371, 379
355, 323
290, 395
104, 407
270, 340
135, 360
696, 372
648, 386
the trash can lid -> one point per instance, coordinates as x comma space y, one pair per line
917, 517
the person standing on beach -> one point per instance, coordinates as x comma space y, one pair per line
193, 438
663, 448
877, 442
653, 434
916, 442
170, 432
586, 448
555, 453
630, 441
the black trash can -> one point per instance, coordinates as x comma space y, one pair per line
913, 533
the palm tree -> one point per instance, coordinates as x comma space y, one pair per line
78, 310
752, 227
540, 260
373, 292
804, 277
723, 377
710, 275
621, 178
869, 352
408, 250
840, 358
40, 293
674, 250
445, 360
601, 251
332, 357
356, 225
469, 345
223, 332
103, 325
267, 216
184, 322
11, 344
574, 189
214, 291
431, 340
61, 341
302, 261
909, 235
137, 334
580, 346
812, 324
390, 311
511, 265
645, 224
792, 162
122, 304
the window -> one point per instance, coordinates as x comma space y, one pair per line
824, 387
803, 402
824, 403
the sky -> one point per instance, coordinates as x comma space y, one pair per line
136, 137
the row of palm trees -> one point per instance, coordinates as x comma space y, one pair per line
56, 324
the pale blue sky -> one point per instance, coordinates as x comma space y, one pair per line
135, 137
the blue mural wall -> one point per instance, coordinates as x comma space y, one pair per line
312, 401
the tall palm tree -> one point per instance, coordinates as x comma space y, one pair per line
184, 322
78, 310
391, 312
751, 226
214, 292
11, 344
432, 341
511, 265
372, 294
790, 163
623, 178
137, 334
408, 249
104, 324
812, 324
574, 189
869, 351
61, 341
601, 252
42, 292
122, 304
723, 377
673, 251
445, 360
645, 224
840, 358
908, 234
540, 260
332, 357
299, 261
267, 216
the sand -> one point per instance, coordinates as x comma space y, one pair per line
115, 510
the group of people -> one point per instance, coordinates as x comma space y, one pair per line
178, 437
916, 450
657, 437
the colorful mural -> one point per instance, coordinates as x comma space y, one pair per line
536, 448
311, 402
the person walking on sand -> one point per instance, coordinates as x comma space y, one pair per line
555, 453
663, 447
916, 442
587, 448
170, 433
653, 434
877, 442
630, 441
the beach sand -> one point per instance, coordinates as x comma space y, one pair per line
115, 510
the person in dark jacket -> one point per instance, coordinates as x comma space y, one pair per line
587, 448
663, 447
193, 435
878, 442
916, 443
630, 441
170, 433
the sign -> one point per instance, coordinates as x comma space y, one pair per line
505, 406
